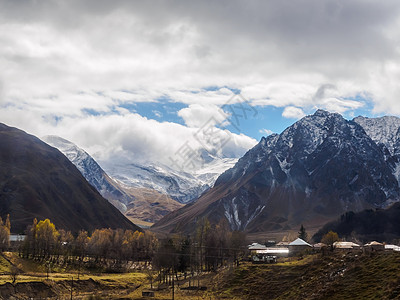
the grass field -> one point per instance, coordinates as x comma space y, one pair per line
336, 276
333, 276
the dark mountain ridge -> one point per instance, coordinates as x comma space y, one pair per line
368, 225
38, 181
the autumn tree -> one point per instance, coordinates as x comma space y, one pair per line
330, 238
5, 233
100, 243
81, 244
46, 236
65, 244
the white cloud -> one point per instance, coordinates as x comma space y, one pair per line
292, 112
63, 59
157, 113
129, 136
198, 115
266, 131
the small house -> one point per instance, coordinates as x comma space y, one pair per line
298, 246
374, 246
319, 246
283, 244
392, 248
346, 246
264, 254
275, 251
256, 246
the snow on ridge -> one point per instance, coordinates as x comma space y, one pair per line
382, 130
183, 186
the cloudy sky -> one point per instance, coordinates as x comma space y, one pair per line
142, 79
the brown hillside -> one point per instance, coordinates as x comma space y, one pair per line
38, 181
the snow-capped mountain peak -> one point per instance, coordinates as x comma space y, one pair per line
383, 130
318, 168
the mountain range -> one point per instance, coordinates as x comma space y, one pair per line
38, 181
144, 193
183, 186
140, 204
317, 169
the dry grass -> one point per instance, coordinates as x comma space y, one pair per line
335, 276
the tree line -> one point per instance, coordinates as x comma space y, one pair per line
207, 249
44, 242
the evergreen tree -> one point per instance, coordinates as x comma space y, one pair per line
302, 233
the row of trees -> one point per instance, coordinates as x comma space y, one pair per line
44, 241
211, 247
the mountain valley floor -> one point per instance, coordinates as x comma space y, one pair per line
335, 275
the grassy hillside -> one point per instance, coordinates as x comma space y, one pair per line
333, 276
337, 276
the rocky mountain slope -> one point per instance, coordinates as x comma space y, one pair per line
179, 185
315, 170
137, 203
149, 206
38, 181
91, 170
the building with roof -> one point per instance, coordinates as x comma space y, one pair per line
298, 246
275, 251
392, 248
283, 244
319, 246
374, 246
346, 246
256, 246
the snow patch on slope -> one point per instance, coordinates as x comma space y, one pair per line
181, 186
384, 130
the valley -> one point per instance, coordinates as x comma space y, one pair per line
195, 150
333, 276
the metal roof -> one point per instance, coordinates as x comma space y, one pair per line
299, 242
257, 246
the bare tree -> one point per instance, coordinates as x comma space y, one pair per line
14, 273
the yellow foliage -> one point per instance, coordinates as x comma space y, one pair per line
330, 238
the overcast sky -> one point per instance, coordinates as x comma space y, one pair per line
138, 79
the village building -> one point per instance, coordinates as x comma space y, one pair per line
374, 246
263, 254
275, 251
283, 244
16, 238
346, 246
392, 248
319, 246
255, 247
298, 246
